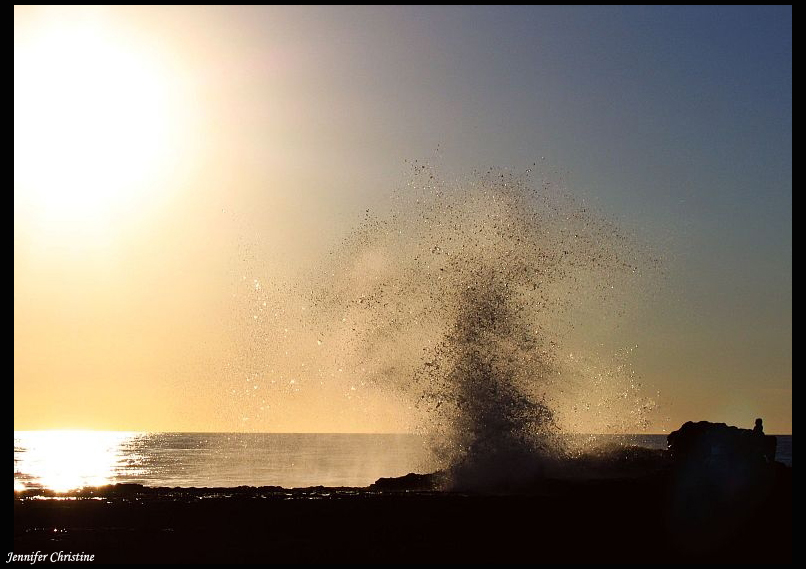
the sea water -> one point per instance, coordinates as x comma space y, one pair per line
64, 460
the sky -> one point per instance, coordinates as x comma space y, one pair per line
168, 158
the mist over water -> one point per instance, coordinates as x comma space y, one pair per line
470, 301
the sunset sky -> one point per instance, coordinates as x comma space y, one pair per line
168, 160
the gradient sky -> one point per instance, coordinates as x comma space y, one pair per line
276, 127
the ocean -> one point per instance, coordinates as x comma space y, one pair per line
65, 460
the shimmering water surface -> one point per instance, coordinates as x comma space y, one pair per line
63, 460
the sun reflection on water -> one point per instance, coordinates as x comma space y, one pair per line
66, 460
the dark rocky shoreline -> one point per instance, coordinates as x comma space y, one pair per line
617, 520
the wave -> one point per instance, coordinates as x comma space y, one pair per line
466, 299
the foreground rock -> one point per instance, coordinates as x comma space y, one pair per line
719, 444
412, 482
723, 481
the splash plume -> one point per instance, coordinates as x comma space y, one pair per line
463, 299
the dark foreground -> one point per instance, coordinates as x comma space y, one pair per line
663, 517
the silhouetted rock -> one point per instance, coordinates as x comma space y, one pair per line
725, 485
719, 444
411, 482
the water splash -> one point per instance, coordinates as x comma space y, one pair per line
465, 298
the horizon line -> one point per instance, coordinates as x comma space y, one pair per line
145, 431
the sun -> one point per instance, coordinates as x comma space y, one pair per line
93, 126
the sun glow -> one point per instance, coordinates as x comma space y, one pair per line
93, 124
65, 460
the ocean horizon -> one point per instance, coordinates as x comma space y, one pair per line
67, 460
